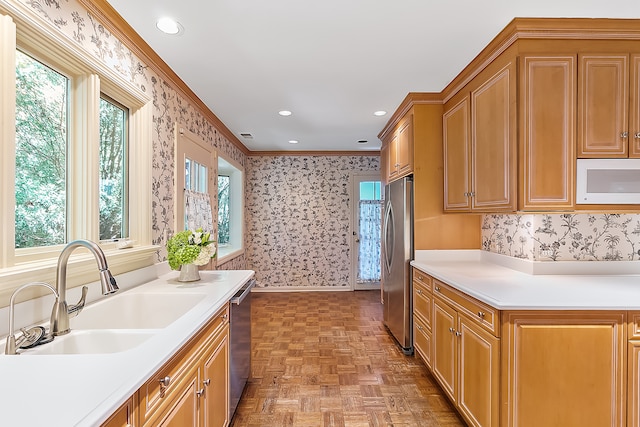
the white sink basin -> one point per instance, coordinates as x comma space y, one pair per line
92, 342
135, 311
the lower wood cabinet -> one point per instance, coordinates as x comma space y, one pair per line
125, 416
564, 368
466, 362
526, 368
191, 389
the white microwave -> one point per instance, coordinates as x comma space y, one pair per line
608, 181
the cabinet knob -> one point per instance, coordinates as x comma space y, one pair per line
224, 316
419, 327
200, 392
451, 330
419, 291
458, 333
637, 135
481, 314
164, 382
437, 288
624, 134
206, 382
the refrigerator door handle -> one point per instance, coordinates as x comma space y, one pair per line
389, 242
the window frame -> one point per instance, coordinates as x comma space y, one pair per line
235, 172
89, 77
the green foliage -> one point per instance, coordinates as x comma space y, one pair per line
187, 247
224, 186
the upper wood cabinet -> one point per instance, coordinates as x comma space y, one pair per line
479, 134
608, 105
396, 155
547, 110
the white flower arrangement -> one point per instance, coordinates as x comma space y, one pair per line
190, 247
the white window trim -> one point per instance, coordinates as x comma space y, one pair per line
236, 247
30, 32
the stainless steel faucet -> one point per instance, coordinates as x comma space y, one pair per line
60, 313
29, 336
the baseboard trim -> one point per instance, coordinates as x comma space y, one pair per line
302, 289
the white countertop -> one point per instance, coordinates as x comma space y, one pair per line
84, 390
503, 284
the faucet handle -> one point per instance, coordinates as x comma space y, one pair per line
75, 309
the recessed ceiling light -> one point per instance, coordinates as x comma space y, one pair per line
169, 26
380, 113
293, 141
284, 113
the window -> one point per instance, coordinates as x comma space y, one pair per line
113, 167
42, 102
66, 121
230, 209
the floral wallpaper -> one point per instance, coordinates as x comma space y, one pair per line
563, 237
298, 212
170, 107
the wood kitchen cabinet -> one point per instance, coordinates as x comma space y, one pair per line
396, 155
422, 301
192, 388
125, 416
564, 368
547, 138
633, 370
608, 105
479, 137
466, 354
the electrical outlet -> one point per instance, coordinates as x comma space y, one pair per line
546, 253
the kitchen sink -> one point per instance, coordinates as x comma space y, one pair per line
92, 342
135, 311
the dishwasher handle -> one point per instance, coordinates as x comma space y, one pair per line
243, 292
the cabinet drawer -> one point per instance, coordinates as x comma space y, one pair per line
158, 391
422, 303
422, 340
485, 315
422, 278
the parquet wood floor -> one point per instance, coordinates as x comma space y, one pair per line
326, 359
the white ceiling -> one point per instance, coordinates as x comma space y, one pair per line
331, 62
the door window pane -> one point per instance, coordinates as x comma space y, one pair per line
113, 149
41, 153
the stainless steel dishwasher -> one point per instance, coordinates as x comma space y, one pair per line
240, 337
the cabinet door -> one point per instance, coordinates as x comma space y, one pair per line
633, 381
124, 416
392, 166
443, 357
634, 108
603, 105
493, 142
215, 382
547, 123
422, 340
585, 349
183, 411
404, 154
456, 156
479, 374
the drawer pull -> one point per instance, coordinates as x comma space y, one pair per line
224, 316
419, 328
164, 382
206, 382
419, 291
458, 333
420, 277
481, 314
452, 330
200, 392
437, 288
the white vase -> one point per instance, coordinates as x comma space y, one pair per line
189, 273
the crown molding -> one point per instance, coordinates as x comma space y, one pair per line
374, 153
116, 24
412, 98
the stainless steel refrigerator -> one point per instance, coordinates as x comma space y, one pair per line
397, 253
